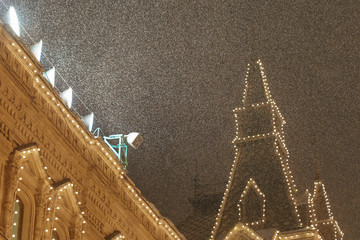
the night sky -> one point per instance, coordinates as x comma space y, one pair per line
174, 70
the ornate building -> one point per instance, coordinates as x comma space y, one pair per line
57, 181
261, 200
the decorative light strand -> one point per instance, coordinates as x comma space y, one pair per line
319, 188
153, 213
25, 154
251, 184
101, 148
279, 138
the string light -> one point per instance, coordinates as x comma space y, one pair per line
102, 148
39, 79
251, 184
282, 153
319, 190
279, 142
68, 186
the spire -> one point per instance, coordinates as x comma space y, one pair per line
316, 161
260, 148
256, 86
196, 181
317, 169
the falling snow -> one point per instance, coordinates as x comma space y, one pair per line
174, 70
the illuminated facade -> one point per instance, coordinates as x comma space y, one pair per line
261, 200
57, 181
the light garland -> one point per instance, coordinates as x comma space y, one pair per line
252, 184
102, 148
319, 188
155, 216
279, 141
54, 195
243, 228
75, 121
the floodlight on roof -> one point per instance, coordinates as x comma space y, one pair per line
36, 50
67, 96
88, 120
134, 139
12, 20
118, 144
50, 76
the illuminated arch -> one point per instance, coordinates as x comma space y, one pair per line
67, 216
23, 175
26, 199
61, 232
17, 220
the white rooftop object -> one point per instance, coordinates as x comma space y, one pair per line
36, 50
67, 96
88, 120
50, 76
134, 139
12, 20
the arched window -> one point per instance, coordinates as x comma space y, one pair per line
55, 236
17, 220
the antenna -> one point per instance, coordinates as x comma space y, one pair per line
196, 180
316, 161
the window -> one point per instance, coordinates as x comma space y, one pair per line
55, 236
17, 220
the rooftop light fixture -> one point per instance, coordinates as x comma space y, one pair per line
50, 76
67, 96
88, 120
36, 50
12, 20
119, 144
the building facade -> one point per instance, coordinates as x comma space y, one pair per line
57, 181
261, 200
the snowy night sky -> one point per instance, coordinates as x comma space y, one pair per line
174, 70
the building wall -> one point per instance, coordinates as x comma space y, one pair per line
64, 177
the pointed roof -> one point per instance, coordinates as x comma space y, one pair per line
256, 86
321, 202
323, 217
262, 152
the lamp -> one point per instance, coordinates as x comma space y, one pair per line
133, 139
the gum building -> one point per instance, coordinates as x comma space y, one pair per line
57, 181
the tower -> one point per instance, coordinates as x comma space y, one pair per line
260, 191
322, 216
